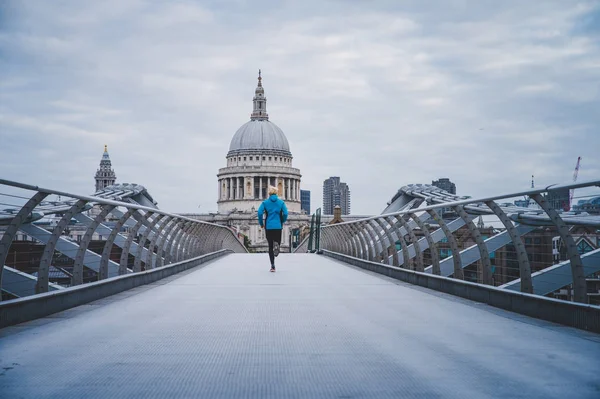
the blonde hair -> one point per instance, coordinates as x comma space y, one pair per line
273, 190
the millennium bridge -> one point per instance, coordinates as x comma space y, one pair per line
438, 296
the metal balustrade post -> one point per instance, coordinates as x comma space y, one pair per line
175, 242
211, 240
214, 236
578, 275
200, 242
433, 249
370, 238
184, 254
391, 243
395, 226
377, 239
458, 271
124, 261
366, 246
154, 229
203, 242
109, 244
369, 252
350, 242
77, 278
484, 272
174, 245
13, 228
48, 254
318, 231
393, 231
362, 245
338, 241
328, 242
349, 239
193, 240
156, 239
524, 266
418, 264
223, 239
220, 239
162, 240
311, 233
346, 237
333, 238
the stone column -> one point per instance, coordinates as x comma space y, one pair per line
260, 179
246, 194
280, 182
283, 187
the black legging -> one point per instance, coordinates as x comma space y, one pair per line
273, 235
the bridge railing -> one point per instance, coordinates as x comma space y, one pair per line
303, 246
52, 239
533, 248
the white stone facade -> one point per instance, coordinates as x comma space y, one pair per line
243, 188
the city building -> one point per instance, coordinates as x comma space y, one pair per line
259, 156
305, 201
335, 193
105, 175
445, 184
559, 199
591, 205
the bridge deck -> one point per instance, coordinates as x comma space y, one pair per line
316, 328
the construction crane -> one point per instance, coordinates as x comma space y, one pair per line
572, 191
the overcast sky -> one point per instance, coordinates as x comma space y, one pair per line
380, 93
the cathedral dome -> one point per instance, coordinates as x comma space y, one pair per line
259, 136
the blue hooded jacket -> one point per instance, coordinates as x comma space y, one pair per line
276, 211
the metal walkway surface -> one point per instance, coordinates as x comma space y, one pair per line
315, 329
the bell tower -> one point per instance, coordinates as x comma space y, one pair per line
105, 175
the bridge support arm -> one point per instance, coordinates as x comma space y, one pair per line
458, 271
433, 249
524, 266
484, 274
579, 284
13, 228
